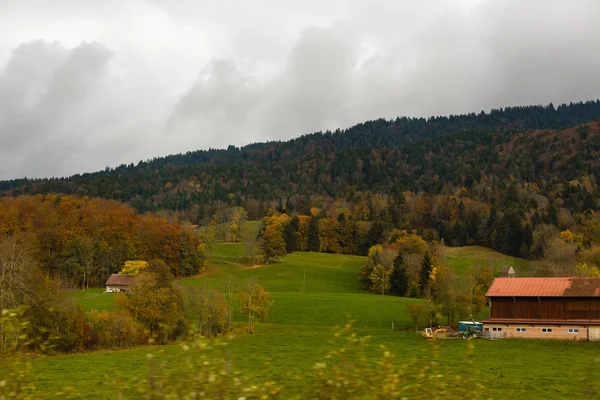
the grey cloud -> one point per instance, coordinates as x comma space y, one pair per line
465, 59
312, 90
48, 100
316, 87
219, 105
239, 72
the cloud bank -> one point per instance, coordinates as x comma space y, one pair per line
84, 85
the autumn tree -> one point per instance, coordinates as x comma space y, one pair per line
208, 310
477, 281
78, 256
585, 270
445, 293
273, 244
376, 271
133, 267
373, 259
18, 277
155, 301
255, 303
415, 312
18, 273
237, 224
380, 279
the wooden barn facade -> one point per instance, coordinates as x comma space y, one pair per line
544, 308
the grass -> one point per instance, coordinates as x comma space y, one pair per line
460, 258
330, 273
229, 253
313, 289
287, 354
94, 299
312, 292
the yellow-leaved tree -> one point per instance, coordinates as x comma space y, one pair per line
584, 270
133, 267
254, 302
380, 279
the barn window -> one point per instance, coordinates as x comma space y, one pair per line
573, 330
546, 330
497, 329
521, 329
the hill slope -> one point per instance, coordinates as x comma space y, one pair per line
389, 156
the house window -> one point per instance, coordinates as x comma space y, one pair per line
546, 330
497, 329
573, 330
521, 329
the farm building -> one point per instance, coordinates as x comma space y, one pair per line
508, 271
119, 283
544, 308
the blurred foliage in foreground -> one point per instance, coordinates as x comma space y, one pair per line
204, 369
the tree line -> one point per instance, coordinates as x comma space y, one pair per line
83, 240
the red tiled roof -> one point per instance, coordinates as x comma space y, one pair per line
120, 280
544, 287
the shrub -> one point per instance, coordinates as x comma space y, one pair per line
115, 330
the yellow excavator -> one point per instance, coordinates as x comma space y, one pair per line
439, 333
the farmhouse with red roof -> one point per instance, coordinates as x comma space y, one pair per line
544, 308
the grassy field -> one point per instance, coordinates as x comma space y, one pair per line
313, 292
94, 299
460, 258
288, 353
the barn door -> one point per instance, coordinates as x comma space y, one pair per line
595, 334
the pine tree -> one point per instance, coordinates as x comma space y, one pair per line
425, 272
290, 235
313, 241
374, 236
399, 282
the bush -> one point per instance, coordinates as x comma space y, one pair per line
115, 330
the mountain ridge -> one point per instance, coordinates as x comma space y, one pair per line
380, 156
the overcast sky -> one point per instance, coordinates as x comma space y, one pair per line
86, 84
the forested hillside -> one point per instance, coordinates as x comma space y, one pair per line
435, 155
510, 179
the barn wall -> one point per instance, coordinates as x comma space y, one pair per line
527, 308
550, 308
595, 309
502, 307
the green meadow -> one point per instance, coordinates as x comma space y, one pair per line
288, 353
460, 258
313, 293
